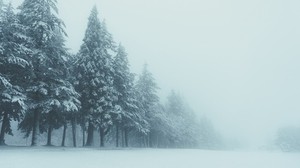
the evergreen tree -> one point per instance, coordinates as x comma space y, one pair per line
288, 139
208, 137
12, 104
95, 78
129, 116
147, 95
175, 104
71, 115
183, 126
185, 130
49, 67
14, 69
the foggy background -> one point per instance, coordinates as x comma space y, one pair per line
236, 62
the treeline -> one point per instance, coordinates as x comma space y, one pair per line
45, 88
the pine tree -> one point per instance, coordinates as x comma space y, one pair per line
49, 67
175, 104
95, 78
147, 95
14, 69
121, 83
175, 110
12, 104
129, 116
184, 127
147, 88
71, 115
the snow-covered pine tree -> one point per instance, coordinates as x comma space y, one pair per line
48, 91
71, 116
184, 127
147, 95
159, 123
175, 104
95, 78
175, 110
14, 69
12, 104
129, 116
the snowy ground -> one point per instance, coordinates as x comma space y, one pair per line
24, 157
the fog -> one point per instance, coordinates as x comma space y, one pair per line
236, 62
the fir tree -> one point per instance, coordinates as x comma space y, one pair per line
184, 127
95, 78
71, 115
49, 67
14, 69
129, 116
147, 88
147, 95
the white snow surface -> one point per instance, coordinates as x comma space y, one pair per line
25, 157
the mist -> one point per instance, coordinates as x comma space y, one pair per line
235, 62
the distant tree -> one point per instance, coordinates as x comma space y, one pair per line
160, 126
95, 78
208, 137
175, 104
183, 125
14, 69
288, 139
147, 95
129, 116
49, 66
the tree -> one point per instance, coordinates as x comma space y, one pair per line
147, 95
175, 104
12, 106
14, 69
95, 78
288, 139
49, 67
183, 126
129, 117
71, 115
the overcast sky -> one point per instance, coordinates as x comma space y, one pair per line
235, 61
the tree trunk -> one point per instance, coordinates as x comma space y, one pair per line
122, 136
83, 135
90, 137
157, 141
35, 127
126, 137
4, 124
102, 134
117, 135
146, 139
150, 140
83, 130
74, 131
49, 136
64, 135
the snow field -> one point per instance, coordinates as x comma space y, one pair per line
142, 158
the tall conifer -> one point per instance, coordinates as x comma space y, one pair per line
95, 78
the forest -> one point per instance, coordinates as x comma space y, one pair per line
91, 95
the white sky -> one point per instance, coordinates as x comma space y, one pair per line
235, 61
